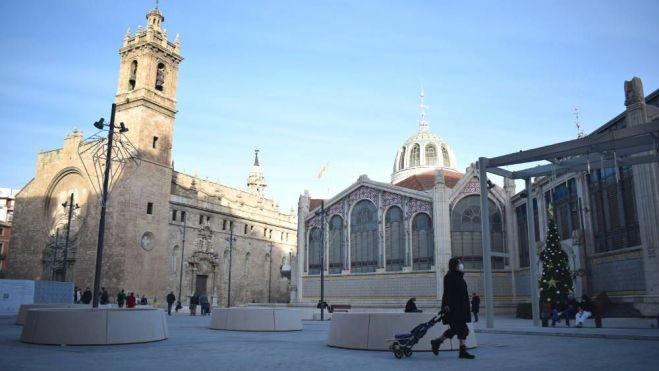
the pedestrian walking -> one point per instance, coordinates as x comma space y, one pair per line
77, 295
205, 305
194, 301
143, 301
105, 297
130, 301
87, 296
171, 298
121, 298
455, 305
475, 305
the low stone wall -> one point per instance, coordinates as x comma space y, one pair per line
22, 312
371, 331
93, 326
255, 319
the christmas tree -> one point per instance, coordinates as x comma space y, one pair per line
556, 281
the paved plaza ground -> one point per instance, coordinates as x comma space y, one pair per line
625, 345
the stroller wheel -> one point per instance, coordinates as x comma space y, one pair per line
408, 352
398, 353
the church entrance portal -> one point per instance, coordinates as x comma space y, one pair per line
200, 286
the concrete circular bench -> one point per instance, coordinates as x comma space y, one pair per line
256, 319
22, 312
370, 331
93, 326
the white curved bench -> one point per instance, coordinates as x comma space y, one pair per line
22, 312
255, 319
93, 326
370, 331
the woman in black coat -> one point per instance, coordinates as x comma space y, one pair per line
455, 304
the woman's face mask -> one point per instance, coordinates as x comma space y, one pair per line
461, 267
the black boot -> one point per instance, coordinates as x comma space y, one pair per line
435, 344
464, 354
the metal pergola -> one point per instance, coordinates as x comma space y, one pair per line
611, 149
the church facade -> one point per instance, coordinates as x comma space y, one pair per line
165, 230
384, 242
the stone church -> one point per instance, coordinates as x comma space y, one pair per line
384, 242
165, 230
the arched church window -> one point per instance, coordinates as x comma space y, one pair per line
160, 77
447, 160
431, 155
401, 161
466, 238
364, 238
423, 245
415, 155
313, 255
394, 239
336, 243
132, 79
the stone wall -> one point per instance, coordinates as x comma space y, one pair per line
620, 272
377, 286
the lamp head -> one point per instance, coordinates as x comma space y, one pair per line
65, 204
490, 185
99, 124
122, 128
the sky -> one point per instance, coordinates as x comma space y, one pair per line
335, 83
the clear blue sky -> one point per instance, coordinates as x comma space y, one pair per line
315, 82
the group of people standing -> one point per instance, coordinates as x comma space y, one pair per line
86, 297
202, 301
130, 300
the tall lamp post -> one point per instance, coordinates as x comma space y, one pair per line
103, 153
231, 239
322, 260
71, 207
180, 279
270, 274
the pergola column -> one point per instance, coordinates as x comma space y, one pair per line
533, 258
485, 237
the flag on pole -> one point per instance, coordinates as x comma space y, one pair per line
322, 171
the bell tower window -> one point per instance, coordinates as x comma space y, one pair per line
160, 77
133, 75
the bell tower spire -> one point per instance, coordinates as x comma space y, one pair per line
256, 180
146, 92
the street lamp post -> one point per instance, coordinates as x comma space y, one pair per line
71, 207
102, 152
104, 201
322, 260
180, 279
52, 269
231, 239
270, 274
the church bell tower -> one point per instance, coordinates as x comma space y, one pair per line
137, 243
146, 92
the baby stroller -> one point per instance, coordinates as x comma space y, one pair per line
402, 343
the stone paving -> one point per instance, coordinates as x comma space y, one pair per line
191, 346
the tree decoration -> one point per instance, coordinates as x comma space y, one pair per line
556, 280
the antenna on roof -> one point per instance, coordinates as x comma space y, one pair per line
580, 133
